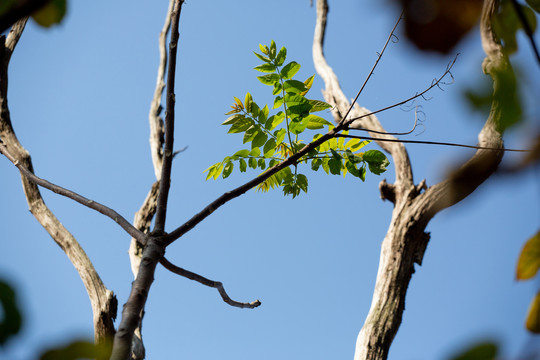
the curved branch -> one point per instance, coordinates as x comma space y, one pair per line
103, 301
210, 283
334, 95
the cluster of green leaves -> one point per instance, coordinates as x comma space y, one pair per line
273, 138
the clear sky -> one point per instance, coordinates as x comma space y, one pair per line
79, 99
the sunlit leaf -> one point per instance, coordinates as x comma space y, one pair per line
262, 57
266, 67
243, 165
308, 83
250, 134
278, 101
259, 140
294, 87
289, 70
240, 125
280, 58
232, 119
268, 149
269, 79
529, 258
317, 105
316, 122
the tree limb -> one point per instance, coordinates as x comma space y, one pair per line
406, 239
210, 283
103, 301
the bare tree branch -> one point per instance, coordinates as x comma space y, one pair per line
103, 301
119, 219
406, 239
214, 284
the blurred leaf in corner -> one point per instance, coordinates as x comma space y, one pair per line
482, 351
76, 350
11, 318
51, 14
438, 25
529, 259
533, 316
506, 24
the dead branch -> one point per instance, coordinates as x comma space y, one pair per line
103, 301
210, 283
406, 239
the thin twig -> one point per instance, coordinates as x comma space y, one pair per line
434, 83
429, 143
373, 68
213, 284
130, 229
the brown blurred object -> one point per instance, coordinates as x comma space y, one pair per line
438, 25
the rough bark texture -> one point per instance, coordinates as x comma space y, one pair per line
406, 239
103, 301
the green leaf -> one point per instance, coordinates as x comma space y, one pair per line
376, 160
298, 126
272, 52
529, 259
240, 153
250, 134
533, 315
262, 57
289, 70
362, 173
269, 147
351, 167
294, 86
264, 49
308, 83
297, 104
240, 125
52, 13
11, 319
255, 152
266, 68
280, 135
259, 140
262, 164
280, 58
483, 351
278, 101
315, 164
243, 165
355, 144
232, 119
335, 165
277, 88
535, 4
252, 162
317, 105
263, 114
269, 79
275, 120
315, 122
227, 170
302, 182
247, 102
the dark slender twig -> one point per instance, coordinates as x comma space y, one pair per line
373, 68
213, 284
130, 229
429, 143
165, 183
435, 82
526, 27
390, 133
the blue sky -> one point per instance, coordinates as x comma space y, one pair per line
79, 100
